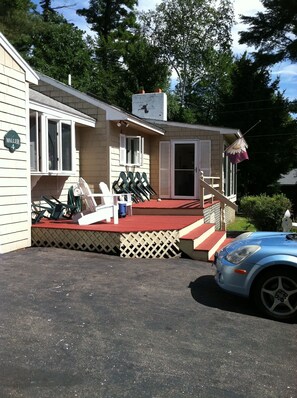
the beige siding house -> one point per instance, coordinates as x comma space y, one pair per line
50, 134
15, 196
172, 154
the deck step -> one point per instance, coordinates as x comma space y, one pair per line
199, 234
189, 228
202, 242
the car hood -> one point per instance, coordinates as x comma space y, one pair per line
265, 239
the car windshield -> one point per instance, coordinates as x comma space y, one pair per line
291, 236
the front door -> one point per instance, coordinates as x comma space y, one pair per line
184, 169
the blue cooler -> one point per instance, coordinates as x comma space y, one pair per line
122, 210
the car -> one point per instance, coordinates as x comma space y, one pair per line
261, 266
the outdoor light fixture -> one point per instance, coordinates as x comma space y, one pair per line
121, 123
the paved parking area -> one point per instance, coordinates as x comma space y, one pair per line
76, 324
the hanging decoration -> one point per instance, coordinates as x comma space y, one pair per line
237, 152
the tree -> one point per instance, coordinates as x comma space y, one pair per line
193, 36
273, 141
59, 49
273, 32
113, 22
124, 59
17, 20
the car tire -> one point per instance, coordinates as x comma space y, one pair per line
275, 294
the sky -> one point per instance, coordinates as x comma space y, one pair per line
286, 71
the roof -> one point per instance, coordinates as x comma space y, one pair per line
35, 97
219, 130
113, 113
289, 178
31, 75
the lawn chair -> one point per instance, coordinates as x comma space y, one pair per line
94, 212
147, 184
59, 209
108, 197
37, 213
136, 184
122, 186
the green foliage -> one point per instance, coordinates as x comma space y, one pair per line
67, 53
125, 60
254, 97
18, 18
194, 35
265, 212
273, 32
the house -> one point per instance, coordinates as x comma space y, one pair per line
15, 196
64, 133
288, 186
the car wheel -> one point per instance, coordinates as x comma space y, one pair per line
275, 294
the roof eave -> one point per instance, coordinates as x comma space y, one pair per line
31, 75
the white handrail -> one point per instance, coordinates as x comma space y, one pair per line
215, 193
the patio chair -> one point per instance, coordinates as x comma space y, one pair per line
94, 212
122, 186
108, 197
59, 209
37, 213
137, 186
147, 184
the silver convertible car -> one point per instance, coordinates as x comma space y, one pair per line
262, 266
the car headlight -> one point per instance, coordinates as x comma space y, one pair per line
240, 254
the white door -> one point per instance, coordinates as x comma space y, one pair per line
180, 165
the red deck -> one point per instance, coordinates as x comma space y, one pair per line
125, 225
155, 233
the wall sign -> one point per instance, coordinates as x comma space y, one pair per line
12, 140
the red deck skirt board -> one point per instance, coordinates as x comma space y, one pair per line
127, 224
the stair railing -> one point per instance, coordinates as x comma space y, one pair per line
212, 192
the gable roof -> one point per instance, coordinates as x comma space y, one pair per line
289, 179
113, 113
31, 75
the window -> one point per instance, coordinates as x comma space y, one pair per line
230, 183
35, 143
51, 144
59, 146
131, 150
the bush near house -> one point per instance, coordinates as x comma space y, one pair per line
265, 212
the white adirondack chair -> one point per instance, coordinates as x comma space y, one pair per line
108, 198
94, 212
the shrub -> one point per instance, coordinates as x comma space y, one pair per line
265, 212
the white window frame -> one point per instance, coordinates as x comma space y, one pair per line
126, 147
230, 178
42, 143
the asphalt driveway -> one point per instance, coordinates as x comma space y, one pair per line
76, 324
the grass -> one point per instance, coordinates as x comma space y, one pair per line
241, 224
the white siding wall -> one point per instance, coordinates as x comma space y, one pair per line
15, 214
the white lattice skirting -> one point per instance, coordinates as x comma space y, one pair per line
153, 244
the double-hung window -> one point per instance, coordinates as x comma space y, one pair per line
51, 144
131, 150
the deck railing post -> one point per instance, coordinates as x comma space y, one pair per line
201, 189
